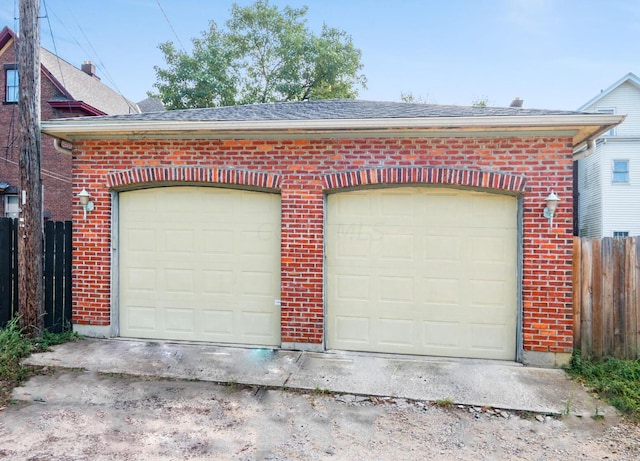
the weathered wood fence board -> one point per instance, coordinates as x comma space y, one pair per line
57, 273
607, 297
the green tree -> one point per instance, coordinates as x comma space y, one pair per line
263, 55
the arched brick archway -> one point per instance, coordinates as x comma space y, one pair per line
152, 175
426, 175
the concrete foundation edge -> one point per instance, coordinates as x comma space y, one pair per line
94, 331
545, 359
306, 347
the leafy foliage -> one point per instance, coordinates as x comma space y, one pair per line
618, 381
264, 55
15, 346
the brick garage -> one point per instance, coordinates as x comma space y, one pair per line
307, 153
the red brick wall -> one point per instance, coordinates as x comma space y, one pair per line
56, 167
303, 170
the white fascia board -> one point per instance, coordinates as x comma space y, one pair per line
88, 128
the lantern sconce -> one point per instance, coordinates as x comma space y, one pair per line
552, 203
87, 205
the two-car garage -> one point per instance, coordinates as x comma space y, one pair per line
413, 270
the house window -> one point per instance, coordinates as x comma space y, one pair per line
621, 171
12, 84
11, 206
620, 234
612, 131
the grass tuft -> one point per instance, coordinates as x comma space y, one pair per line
617, 381
14, 347
444, 403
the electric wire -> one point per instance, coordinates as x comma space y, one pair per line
49, 173
55, 47
171, 26
93, 54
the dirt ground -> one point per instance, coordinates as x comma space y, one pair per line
75, 415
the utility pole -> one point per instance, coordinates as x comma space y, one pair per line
30, 235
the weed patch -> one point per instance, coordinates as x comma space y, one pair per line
14, 347
615, 380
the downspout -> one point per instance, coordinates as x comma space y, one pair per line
586, 151
57, 144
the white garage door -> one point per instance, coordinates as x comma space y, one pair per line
200, 264
422, 271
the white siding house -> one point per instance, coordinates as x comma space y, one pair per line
609, 178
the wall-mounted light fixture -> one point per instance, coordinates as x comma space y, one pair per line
87, 205
552, 203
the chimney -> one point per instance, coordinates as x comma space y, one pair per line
517, 102
90, 69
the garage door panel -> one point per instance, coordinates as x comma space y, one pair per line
352, 330
351, 244
219, 242
142, 318
488, 293
258, 325
441, 292
352, 287
438, 335
440, 248
443, 210
397, 333
179, 281
493, 212
217, 322
356, 204
190, 269
179, 320
441, 270
395, 247
396, 289
217, 282
142, 279
488, 337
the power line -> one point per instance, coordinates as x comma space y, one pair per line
51, 174
92, 53
171, 25
53, 42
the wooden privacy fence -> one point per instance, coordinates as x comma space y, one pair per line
606, 297
57, 273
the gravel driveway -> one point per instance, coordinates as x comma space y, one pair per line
75, 415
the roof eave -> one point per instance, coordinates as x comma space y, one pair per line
80, 106
630, 77
582, 126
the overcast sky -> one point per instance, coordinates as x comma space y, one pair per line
554, 54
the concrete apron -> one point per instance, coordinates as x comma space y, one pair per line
483, 383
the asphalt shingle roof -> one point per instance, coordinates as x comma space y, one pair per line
330, 110
85, 88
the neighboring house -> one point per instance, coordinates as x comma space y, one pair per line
608, 180
65, 92
151, 105
344, 225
